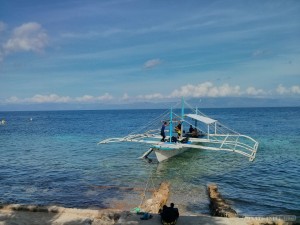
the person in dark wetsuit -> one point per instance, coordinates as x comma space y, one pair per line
164, 208
175, 210
169, 215
162, 131
191, 129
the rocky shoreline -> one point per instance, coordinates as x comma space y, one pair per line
222, 213
53, 215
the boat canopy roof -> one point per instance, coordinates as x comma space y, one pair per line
202, 119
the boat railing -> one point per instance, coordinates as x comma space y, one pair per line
239, 143
224, 141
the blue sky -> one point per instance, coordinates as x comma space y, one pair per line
118, 51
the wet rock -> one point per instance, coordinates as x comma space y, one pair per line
158, 199
218, 205
108, 217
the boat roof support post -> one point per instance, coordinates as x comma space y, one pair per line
215, 127
208, 131
196, 121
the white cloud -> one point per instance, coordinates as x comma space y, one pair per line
91, 99
151, 96
295, 89
27, 37
105, 97
152, 63
282, 90
206, 89
85, 98
13, 99
254, 91
54, 98
125, 97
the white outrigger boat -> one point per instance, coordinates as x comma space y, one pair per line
210, 135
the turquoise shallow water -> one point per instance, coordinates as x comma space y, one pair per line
55, 159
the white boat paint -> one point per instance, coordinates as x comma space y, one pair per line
162, 155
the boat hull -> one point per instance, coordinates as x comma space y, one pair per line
164, 154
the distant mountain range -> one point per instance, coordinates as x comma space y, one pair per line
225, 102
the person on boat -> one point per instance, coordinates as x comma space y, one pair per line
162, 131
191, 129
195, 133
178, 129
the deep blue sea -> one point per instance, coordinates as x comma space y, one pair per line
54, 159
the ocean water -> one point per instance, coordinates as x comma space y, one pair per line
54, 159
